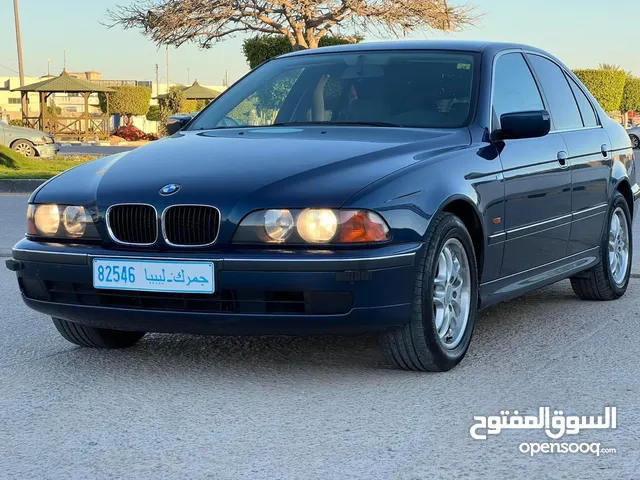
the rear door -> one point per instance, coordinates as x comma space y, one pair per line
588, 147
536, 175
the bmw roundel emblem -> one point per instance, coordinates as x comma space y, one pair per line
169, 189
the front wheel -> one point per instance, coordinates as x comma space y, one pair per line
87, 336
24, 147
609, 279
439, 332
635, 141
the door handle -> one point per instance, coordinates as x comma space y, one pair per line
604, 148
562, 159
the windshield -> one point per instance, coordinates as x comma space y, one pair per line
424, 89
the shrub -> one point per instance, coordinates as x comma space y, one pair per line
153, 114
607, 86
261, 48
51, 110
631, 95
189, 106
16, 123
127, 100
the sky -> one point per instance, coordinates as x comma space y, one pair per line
582, 33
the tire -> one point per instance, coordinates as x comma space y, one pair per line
635, 141
599, 282
24, 147
93, 337
418, 346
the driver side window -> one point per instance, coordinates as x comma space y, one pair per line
262, 107
514, 89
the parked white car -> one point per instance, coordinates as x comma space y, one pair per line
634, 135
28, 141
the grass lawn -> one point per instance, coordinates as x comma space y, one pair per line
14, 165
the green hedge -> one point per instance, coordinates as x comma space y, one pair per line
261, 48
127, 100
607, 86
631, 95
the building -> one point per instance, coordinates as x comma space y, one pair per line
10, 104
71, 104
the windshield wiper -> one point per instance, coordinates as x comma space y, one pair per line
338, 124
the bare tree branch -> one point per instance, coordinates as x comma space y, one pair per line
304, 22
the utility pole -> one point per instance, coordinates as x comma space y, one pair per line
157, 80
226, 78
64, 52
48, 67
167, 68
188, 77
16, 15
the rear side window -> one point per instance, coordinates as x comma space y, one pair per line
562, 104
586, 109
514, 89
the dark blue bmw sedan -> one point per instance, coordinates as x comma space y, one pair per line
392, 187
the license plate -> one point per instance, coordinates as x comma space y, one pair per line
153, 275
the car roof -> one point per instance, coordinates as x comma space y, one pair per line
454, 45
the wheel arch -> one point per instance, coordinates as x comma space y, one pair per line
624, 187
464, 208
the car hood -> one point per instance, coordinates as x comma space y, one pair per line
26, 132
239, 170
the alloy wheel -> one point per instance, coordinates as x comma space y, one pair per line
452, 293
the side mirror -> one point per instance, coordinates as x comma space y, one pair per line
524, 125
175, 123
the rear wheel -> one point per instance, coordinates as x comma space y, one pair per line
24, 147
635, 141
86, 336
445, 301
609, 279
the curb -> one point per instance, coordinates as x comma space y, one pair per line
20, 185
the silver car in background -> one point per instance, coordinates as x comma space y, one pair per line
634, 135
28, 141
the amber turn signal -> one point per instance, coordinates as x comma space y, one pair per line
363, 227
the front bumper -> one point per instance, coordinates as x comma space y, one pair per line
257, 292
47, 150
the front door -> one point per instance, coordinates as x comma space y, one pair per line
536, 174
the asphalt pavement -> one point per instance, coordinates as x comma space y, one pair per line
180, 406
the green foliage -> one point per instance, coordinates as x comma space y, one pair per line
153, 114
16, 123
9, 158
126, 100
175, 100
261, 48
631, 95
53, 110
14, 165
606, 85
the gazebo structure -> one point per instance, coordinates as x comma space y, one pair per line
84, 126
196, 92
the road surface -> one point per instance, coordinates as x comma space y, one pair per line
314, 408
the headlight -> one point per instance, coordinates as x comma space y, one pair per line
312, 226
47, 220
60, 221
278, 224
47, 140
75, 221
317, 225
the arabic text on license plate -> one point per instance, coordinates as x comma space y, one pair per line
153, 275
